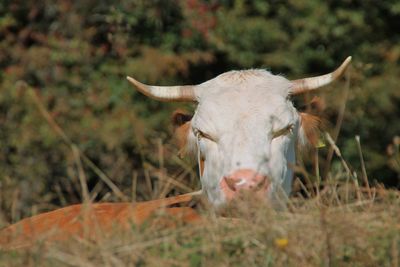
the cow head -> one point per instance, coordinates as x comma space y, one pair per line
244, 129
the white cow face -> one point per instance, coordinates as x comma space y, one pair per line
245, 128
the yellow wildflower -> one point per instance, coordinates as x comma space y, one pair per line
281, 242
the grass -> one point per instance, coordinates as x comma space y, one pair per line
321, 231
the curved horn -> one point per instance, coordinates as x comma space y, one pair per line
307, 84
165, 93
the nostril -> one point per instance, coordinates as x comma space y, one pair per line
231, 183
261, 184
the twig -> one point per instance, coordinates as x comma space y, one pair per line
175, 182
81, 175
195, 193
104, 178
68, 259
346, 167
301, 170
395, 250
317, 174
161, 173
328, 238
364, 172
15, 215
95, 190
69, 142
134, 185
149, 186
60, 194
303, 187
339, 122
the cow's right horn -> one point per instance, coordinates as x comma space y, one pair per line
166, 93
312, 83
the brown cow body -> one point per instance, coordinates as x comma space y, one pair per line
95, 221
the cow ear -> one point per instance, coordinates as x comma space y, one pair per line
181, 122
180, 117
314, 106
317, 105
310, 128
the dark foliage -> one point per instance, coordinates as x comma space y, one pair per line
76, 55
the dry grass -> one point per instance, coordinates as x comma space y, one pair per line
322, 231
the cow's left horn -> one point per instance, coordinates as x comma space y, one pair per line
307, 84
166, 93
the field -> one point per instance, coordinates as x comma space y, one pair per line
326, 230
73, 130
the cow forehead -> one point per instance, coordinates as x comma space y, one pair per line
247, 97
254, 82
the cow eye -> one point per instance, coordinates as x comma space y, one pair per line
284, 131
202, 134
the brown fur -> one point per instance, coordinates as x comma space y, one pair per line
317, 105
311, 125
181, 122
94, 221
180, 117
181, 137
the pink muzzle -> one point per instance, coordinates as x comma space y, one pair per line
244, 180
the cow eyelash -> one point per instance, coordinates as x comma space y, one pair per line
201, 134
283, 131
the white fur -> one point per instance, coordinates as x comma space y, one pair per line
241, 110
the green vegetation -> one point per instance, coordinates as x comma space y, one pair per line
76, 54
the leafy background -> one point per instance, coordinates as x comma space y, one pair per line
76, 54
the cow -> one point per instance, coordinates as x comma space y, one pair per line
96, 221
245, 130
244, 133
